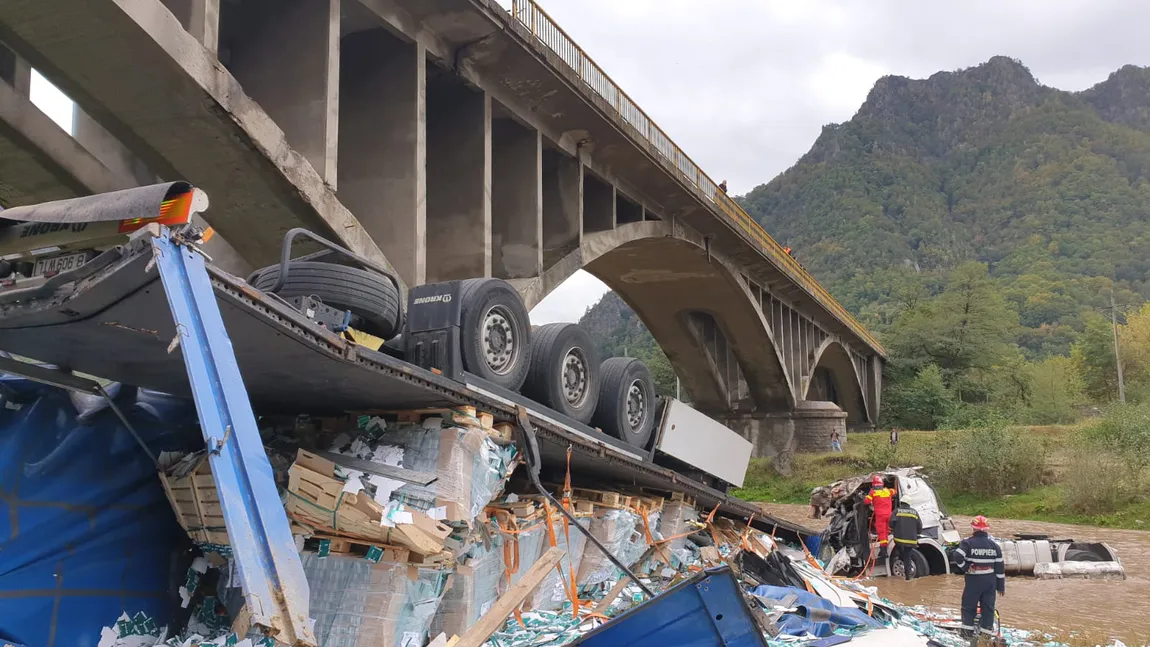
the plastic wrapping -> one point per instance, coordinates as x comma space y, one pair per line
474, 588
620, 531
470, 468
522, 550
551, 594
675, 521
358, 603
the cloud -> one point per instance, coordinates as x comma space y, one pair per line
569, 301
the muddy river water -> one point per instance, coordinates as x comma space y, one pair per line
1081, 612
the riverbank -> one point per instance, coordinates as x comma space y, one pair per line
1081, 613
865, 452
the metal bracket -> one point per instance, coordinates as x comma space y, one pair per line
275, 587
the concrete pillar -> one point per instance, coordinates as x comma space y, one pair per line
288, 61
458, 182
562, 206
772, 435
108, 150
815, 422
516, 201
15, 71
383, 145
201, 18
598, 204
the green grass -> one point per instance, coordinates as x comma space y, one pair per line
866, 452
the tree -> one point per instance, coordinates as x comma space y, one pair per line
1056, 392
969, 326
920, 403
1093, 357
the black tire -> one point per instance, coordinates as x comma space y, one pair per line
564, 370
368, 295
919, 566
625, 413
1079, 555
492, 306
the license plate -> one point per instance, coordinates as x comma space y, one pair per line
57, 264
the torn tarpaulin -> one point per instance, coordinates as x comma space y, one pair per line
811, 615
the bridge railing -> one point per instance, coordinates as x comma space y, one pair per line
544, 28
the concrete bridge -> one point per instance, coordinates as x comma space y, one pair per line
448, 139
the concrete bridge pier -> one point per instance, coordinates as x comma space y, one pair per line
779, 436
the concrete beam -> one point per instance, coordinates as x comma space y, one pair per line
201, 19
183, 114
383, 145
288, 61
459, 167
516, 201
103, 146
15, 71
39, 162
562, 206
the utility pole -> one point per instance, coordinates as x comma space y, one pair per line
677, 396
1117, 354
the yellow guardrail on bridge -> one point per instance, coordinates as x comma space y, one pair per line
544, 28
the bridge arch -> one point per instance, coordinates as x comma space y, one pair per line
667, 279
834, 377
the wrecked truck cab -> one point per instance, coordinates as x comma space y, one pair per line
847, 545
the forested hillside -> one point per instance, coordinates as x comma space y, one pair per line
979, 222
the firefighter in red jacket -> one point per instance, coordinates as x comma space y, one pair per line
882, 499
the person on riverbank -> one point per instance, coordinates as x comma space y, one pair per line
980, 559
881, 499
906, 527
836, 443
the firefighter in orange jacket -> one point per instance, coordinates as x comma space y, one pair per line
882, 499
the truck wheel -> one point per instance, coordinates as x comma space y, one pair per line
494, 332
368, 295
626, 401
919, 566
564, 370
1079, 555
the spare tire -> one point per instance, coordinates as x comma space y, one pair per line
494, 332
564, 370
626, 401
368, 295
1079, 555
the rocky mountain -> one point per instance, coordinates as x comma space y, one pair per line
1051, 189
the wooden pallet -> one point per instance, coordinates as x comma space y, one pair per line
352, 546
603, 497
464, 416
197, 504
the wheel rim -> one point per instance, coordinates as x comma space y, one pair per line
636, 406
573, 377
500, 341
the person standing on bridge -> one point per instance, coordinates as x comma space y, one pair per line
881, 499
723, 186
980, 558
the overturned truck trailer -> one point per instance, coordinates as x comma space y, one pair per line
848, 545
144, 307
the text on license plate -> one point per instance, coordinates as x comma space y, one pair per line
59, 264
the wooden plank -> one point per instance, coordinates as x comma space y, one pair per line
605, 603
510, 601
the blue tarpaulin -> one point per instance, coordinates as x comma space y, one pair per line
86, 531
816, 616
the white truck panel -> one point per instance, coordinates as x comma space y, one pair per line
701, 442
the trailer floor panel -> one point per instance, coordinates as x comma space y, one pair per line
117, 325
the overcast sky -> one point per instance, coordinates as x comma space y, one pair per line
744, 86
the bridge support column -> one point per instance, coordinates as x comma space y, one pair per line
779, 436
201, 19
383, 145
517, 201
108, 150
562, 206
288, 61
15, 71
458, 181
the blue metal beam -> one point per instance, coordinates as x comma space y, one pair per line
275, 587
